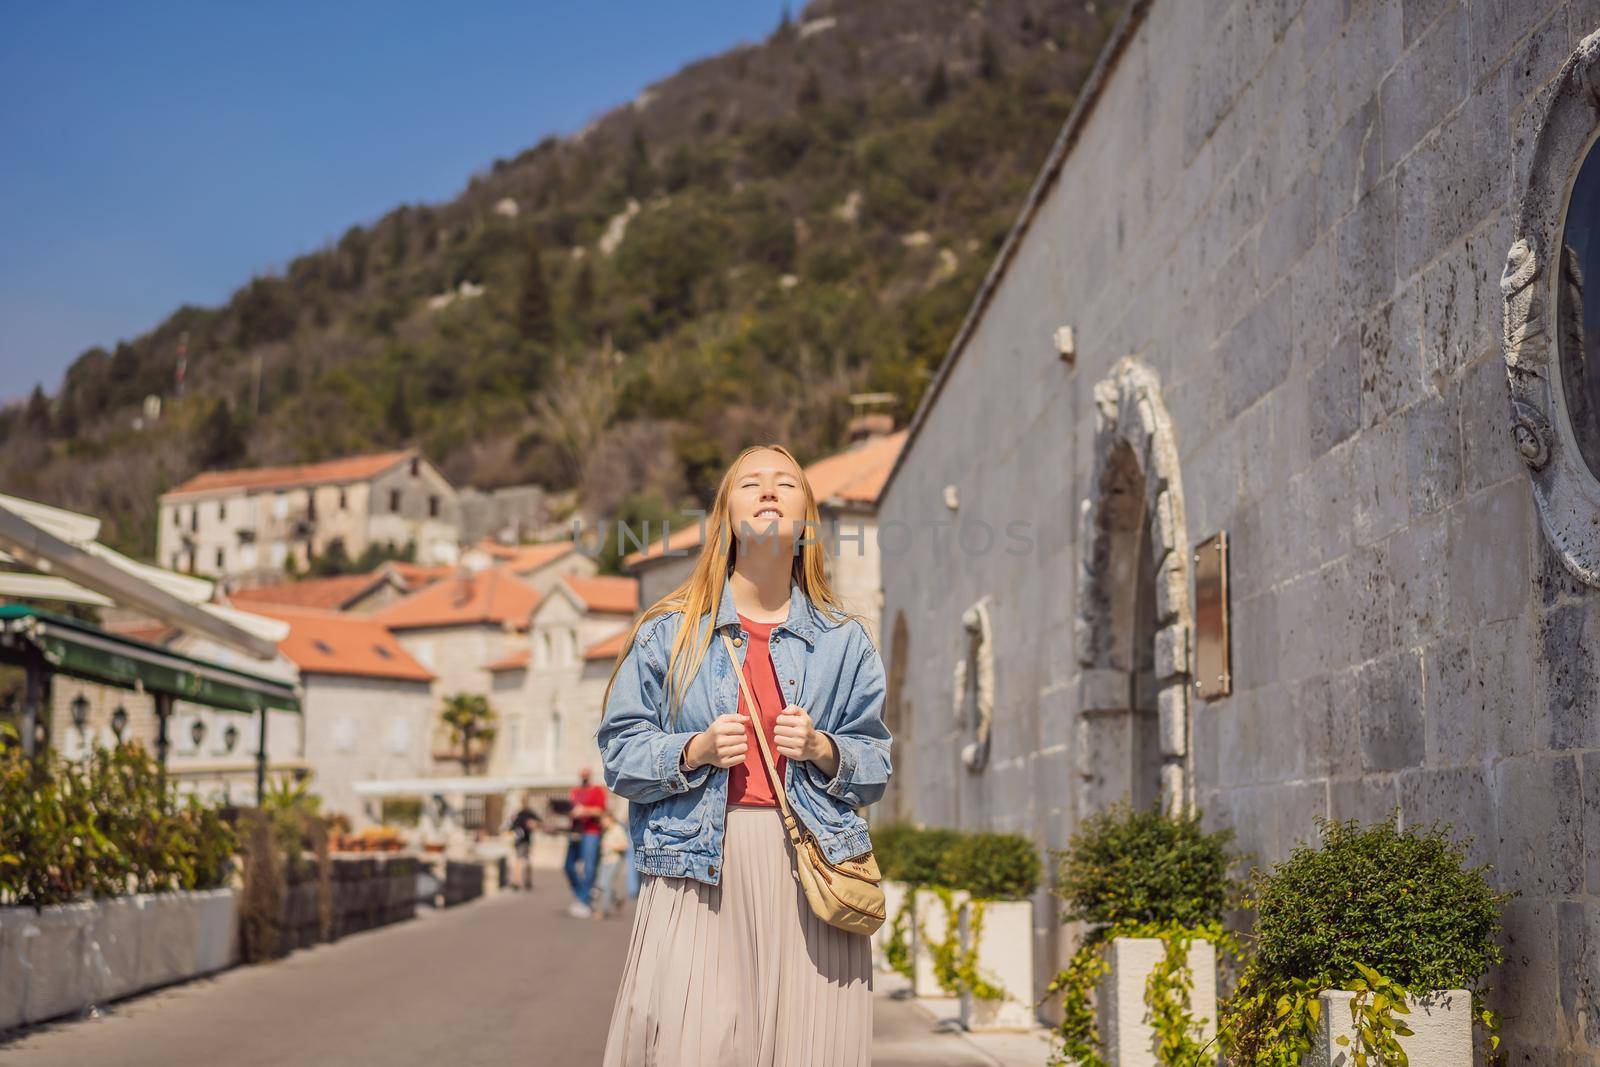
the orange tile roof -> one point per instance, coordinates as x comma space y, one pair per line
328, 642
525, 558
516, 661
331, 594
854, 476
610, 648
417, 575
606, 593
488, 597
345, 469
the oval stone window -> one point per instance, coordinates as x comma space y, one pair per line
1579, 332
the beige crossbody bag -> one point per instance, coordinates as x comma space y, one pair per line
843, 894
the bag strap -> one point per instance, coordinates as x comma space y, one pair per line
761, 733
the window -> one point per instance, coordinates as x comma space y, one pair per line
342, 504
280, 506
247, 556
222, 511
433, 507
416, 466
220, 559
394, 500
311, 503
194, 518
177, 517
1579, 313
280, 553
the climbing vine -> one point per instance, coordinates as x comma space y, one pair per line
1179, 1034
957, 971
897, 951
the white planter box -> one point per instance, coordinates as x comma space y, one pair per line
112, 958
927, 912
1129, 1039
168, 937
1004, 957
217, 932
894, 894
1442, 1025
13, 987
51, 950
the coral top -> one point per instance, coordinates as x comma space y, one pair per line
747, 782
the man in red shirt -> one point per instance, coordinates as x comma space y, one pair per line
583, 842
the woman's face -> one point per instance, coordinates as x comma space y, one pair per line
767, 506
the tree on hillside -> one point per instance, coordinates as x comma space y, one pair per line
534, 320
397, 416
469, 719
220, 442
938, 88
37, 419
637, 175
988, 58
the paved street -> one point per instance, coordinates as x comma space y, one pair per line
507, 980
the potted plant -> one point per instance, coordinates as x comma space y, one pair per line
992, 970
1152, 888
1371, 949
933, 907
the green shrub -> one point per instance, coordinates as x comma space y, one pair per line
888, 845
922, 853
1402, 902
991, 866
106, 825
1376, 909
1126, 867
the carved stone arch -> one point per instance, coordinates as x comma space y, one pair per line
974, 687
1134, 620
1539, 265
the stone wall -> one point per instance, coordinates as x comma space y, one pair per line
1294, 216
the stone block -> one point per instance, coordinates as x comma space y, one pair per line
1418, 556
1365, 238
1461, 312
1567, 643
1453, 180
13, 978
1441, 1026
1541, 825
1433, 456
1591, 820
1459, 796
1370, 799
1378, 477
1455, 729
1172, 705
216, 931
1425, 85
1490, 536
1256, 355
1129, 1039
1579, 939
1391, 712
1004, 957
1333, 404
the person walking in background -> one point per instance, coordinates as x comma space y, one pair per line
613, 851
583, 843
728, 963
523, 824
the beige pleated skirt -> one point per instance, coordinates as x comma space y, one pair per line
741, 974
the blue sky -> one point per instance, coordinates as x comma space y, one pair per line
157, 154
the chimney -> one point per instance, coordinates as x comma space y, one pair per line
866, 424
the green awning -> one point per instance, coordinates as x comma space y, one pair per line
80, 650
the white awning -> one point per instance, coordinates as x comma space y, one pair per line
427, 787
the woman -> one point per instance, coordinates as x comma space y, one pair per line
727, 963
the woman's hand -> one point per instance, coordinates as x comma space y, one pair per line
722, 744
796, 739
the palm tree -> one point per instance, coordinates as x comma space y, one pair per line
470, 718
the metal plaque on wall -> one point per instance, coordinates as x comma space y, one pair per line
1212, 670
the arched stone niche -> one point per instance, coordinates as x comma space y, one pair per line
897, 717
1134, 618
1546, 345
974, 687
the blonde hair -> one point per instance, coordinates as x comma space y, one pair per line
700, 594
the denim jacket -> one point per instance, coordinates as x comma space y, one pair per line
831, 669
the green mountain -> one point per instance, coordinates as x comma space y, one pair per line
723, 259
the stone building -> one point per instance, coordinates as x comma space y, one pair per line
249, 524
1279, 234
548, 686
